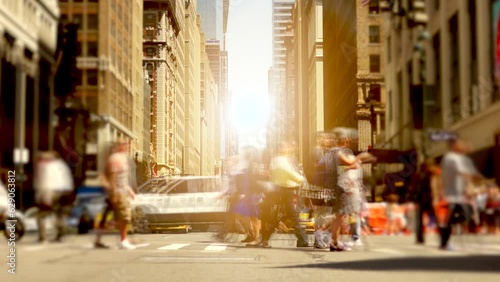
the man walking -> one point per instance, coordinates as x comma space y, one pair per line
286, 180
54, 192
458, 171
120, 190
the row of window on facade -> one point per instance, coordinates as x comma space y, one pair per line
85, 21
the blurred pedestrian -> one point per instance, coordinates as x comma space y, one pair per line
458, 173
425, 187
286, 179
233, 221
325, 177
54, 192
249, 196
493, 209
117, 176
347, 200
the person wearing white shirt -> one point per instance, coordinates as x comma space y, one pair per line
54, 191
458, 171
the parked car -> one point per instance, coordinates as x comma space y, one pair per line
169, 202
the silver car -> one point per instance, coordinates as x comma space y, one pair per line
178, 202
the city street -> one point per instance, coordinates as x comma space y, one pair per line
197, 257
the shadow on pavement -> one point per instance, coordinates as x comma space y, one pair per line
476, 263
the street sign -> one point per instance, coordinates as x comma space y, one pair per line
442, 136
21, 155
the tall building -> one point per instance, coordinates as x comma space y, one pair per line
370, 74
461, 78
28, 42
370, 85
140, 111
145, 168
211, 12
180, 115
210, 116
192, 90
305, 69
162, 59
281, 18
108, 65
340, 63
214, 17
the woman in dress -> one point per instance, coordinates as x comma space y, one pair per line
348, 200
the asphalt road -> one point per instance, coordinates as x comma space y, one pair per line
197, 257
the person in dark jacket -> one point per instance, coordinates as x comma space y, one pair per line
425, 187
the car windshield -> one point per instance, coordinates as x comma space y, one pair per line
180, 185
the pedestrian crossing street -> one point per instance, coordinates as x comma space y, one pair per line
202, 244
203, 247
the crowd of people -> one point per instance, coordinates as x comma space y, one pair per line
55, 193
267, 189
472, 201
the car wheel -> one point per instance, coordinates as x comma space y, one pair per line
139, 221
18, 232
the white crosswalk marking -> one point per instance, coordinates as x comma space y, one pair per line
173, 246
142, 245
216, 247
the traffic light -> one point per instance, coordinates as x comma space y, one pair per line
417, 15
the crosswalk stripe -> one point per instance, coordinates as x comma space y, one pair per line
388, 251
173, 246
216, 247
142, 245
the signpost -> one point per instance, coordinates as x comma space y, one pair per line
442, 136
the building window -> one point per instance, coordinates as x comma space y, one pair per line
78, 76
389, 49
92, 22
389, 105
78, 19
79, 49
373, 7
150, 20
92, 77
63, 19
374, 63
92, 50
150, 52
375, 92
374, 33
113, 29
